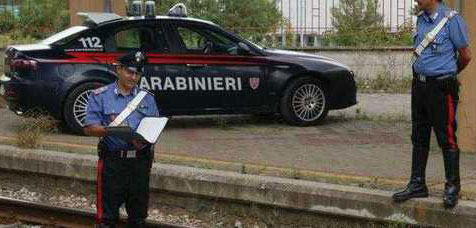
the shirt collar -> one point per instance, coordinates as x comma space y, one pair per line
116, 90
433, 17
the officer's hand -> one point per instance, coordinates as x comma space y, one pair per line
95, 130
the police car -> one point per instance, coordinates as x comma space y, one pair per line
193, 67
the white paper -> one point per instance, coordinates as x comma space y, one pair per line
151, 127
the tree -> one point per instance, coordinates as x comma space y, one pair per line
358, 23
41, 18
356, 15
251, 19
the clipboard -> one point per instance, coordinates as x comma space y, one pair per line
149, 129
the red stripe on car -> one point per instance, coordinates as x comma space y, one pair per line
156, 58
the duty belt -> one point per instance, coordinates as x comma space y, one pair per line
423, 78
126, 154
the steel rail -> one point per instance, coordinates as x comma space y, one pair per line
48, 215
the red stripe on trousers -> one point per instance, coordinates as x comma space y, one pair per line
99, 193
451, 119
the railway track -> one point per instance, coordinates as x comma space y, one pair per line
53, 216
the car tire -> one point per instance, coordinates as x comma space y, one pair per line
304, 102
75, 106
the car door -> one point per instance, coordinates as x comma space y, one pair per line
149, 37
219, 73
169, 79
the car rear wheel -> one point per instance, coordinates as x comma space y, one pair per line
304, 102
76, 105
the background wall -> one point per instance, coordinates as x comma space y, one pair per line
370, 63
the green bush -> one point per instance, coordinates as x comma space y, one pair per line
252, 19
7, 21
357, 23
41, 18
15, 37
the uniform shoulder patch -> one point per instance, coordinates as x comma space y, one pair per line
451, 13
99, 90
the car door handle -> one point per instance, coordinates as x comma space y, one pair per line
196, 65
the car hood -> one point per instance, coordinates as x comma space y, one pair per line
295, 54
304, 56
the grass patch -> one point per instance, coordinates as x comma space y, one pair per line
33, 128
292, 173
364, 116
384, 84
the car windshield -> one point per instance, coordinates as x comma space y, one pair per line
61, 35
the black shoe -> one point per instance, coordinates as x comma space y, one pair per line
136, 224
451, 196
452, 186
413, 190
104, 226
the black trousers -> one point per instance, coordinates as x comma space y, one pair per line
434, 105
123, 180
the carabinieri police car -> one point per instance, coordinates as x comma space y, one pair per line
193, 67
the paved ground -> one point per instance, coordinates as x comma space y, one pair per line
360, 142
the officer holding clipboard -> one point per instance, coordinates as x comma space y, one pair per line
124, 164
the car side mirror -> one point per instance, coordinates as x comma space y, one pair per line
244, 49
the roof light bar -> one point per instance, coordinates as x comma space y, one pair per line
136, 8
179, 10
150, 9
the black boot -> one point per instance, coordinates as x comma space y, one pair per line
453, 185
417, 187
104, 226
136, 224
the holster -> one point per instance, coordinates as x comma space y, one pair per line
449, 86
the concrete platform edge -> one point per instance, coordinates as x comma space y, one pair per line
272, 191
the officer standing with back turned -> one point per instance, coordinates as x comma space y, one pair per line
123, 167
441, 52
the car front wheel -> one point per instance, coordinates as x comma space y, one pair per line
304, 102
76, 104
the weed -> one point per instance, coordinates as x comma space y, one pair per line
32, 129
385, 84
243, 169
222, 123
292, 173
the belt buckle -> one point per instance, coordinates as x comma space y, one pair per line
444, 77
131, 154
422, 78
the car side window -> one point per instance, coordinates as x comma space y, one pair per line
222, 44
132, 39
192, 40
199, 40
128, 39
